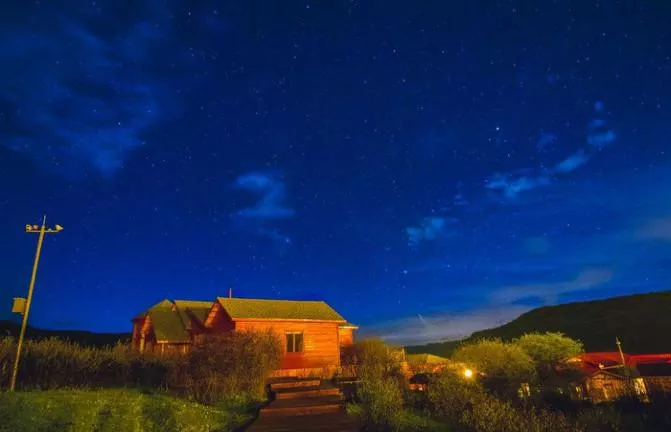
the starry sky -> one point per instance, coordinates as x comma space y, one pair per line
428, 168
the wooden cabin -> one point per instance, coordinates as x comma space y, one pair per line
169, 326
313, 334
607, 378
427, 363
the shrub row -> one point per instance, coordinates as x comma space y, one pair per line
235, 364
55, 363
467, 405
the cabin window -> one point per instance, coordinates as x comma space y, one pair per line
294, 341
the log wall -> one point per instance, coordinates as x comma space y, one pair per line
320, 341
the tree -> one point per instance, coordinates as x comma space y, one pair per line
549, 348
549, 351
503, 367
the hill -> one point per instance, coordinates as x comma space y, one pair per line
641, 321
10, 328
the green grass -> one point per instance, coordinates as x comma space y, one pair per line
410, 421
111, 410
638, 320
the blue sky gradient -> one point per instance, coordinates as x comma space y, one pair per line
428, 170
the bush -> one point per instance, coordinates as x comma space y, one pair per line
494, 415
374, 357
55, 363
232, 365
380, 391
467, 405
503, 367
382, 402
450, 395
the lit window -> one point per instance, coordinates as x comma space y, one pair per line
294, 341
641, 391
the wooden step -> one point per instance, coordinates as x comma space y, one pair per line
289, 384
306, 392
303, 406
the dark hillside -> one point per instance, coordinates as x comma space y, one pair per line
10, 328
641, 321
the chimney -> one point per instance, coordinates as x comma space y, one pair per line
230, 292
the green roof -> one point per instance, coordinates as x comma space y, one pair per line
425, 359
197, 309
238, 308
169, 320
165, 303
168, 325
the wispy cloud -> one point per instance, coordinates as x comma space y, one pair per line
599, 135
548, 292
656, 229
270, 207
545, 140
421, 329
572, 162
512, 185
81, 97
431, 228
271, 193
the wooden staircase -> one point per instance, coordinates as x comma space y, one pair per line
303, 397
304, 405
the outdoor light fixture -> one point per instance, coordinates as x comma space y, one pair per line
468, 373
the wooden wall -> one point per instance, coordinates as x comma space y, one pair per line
603, 387
659, 384
135, 340
346, 336
320, 341
218, 321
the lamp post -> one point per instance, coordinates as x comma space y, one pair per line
23, 306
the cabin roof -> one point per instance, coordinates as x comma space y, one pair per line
239, 308
168, 325
165, 303
426, 359
348, 325
197, 309
170, 319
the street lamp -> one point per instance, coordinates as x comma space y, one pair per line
468, 373
21, 305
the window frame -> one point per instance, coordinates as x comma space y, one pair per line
291, 336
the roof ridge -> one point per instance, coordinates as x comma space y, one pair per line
267, 299
194, 301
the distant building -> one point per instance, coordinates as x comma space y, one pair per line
606, 378
312, 332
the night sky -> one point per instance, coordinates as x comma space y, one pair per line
428, 168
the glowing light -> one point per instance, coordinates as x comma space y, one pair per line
468, 373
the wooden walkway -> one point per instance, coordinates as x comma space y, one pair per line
304, 405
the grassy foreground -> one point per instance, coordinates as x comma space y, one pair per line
111, 410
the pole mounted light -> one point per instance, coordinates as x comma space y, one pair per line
22, 305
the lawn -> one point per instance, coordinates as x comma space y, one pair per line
112, 410
411, 420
